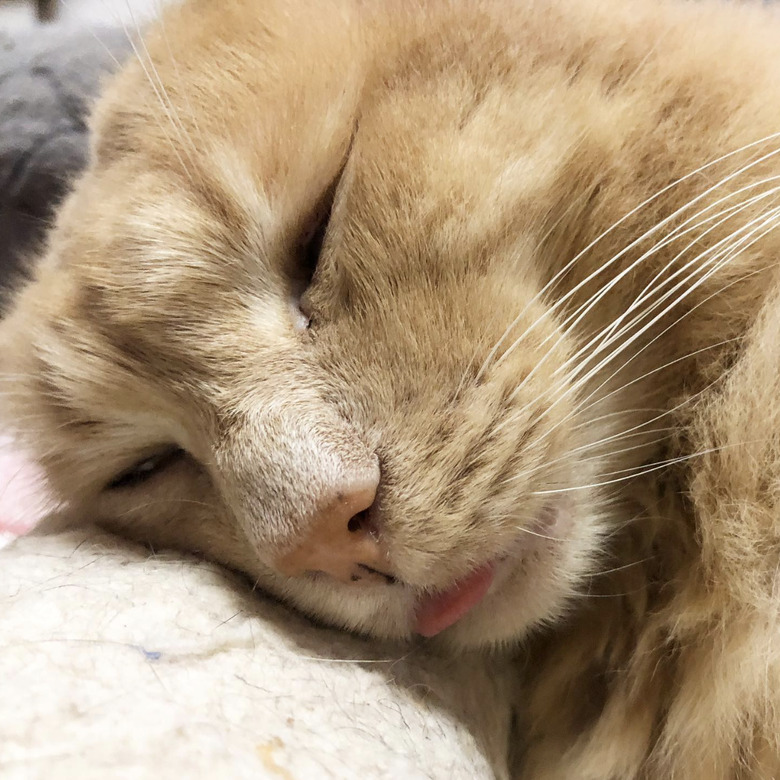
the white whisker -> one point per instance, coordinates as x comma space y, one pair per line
574, 319
561, 273
643, 470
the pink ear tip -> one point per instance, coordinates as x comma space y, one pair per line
24, 499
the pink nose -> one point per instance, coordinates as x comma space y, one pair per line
341, 541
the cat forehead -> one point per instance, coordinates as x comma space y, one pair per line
263, 99
228, 159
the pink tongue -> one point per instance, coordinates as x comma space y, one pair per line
440, 610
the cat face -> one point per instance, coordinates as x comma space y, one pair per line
294, 318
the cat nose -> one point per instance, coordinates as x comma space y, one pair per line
341, 540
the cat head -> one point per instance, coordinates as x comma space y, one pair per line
293, 318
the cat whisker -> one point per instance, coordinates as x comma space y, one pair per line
602, 572
628, 432
180, 80
147, 65
694, 264
636, 429
718, 218
67, 4
537, 534
716, 261
580, 382
644, 470
601, 399
621, 412
575, 318
583, 405
772, 220
617, 438
613, 595
652, 287
637, 241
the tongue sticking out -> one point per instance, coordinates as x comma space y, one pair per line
440, 610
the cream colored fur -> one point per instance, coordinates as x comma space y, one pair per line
547, 299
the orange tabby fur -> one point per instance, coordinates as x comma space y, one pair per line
479, 147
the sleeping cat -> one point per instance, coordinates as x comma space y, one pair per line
450, 318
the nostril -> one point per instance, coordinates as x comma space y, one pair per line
364, 524
341, 534
357, 522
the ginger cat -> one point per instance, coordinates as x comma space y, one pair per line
457, 318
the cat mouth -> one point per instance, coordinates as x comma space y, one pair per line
439, 610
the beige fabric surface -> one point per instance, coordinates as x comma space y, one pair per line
117, 663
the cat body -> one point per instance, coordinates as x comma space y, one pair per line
450, 318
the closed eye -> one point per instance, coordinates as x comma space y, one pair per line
309, 251
307, 259
147, 468
312, 246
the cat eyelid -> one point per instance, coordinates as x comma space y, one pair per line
312, 242
314, 236
146, 468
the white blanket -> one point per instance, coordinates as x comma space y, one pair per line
118, 664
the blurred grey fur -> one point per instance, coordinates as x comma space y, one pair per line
48, 77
